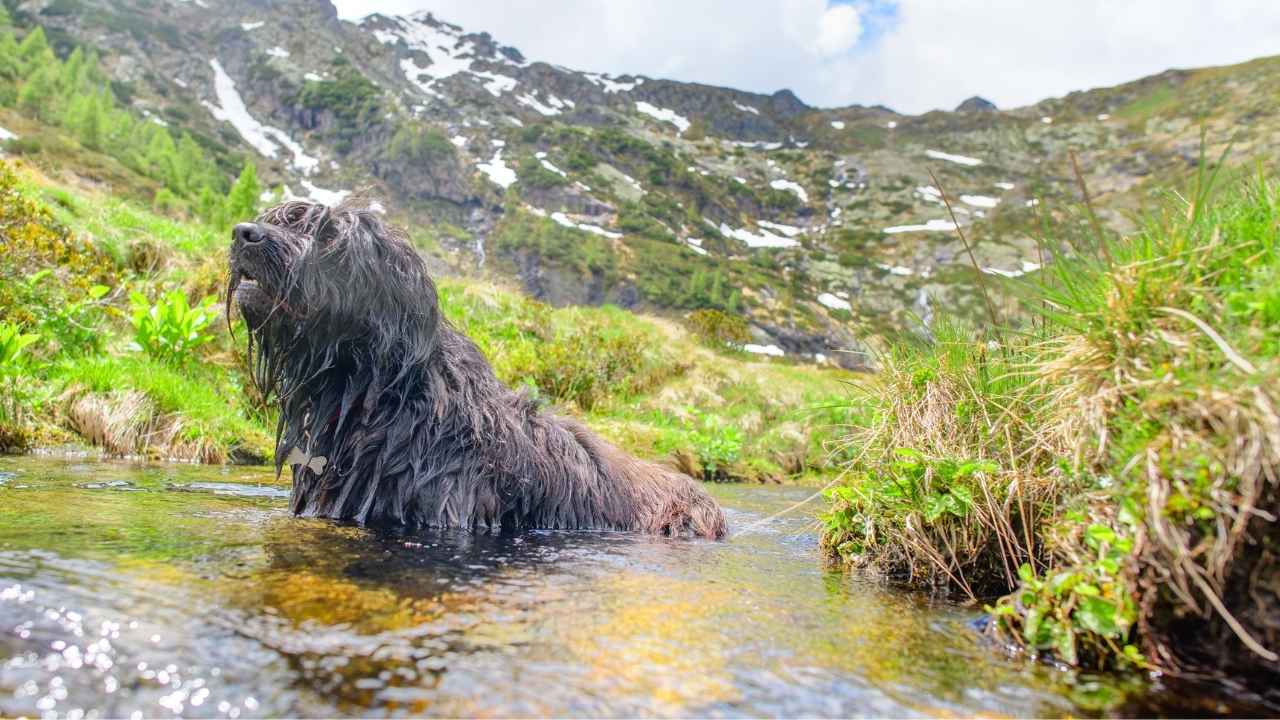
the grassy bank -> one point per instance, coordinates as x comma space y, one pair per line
1108, 471
124, 347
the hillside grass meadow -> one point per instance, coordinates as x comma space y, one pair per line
126, 348
1104, 477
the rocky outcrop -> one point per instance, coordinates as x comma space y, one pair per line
976, 104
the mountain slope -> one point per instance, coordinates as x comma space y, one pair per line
821, 226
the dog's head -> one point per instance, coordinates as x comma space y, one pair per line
334, 283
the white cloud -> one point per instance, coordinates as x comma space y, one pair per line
838, 30
928, 54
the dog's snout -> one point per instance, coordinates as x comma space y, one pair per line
248, 233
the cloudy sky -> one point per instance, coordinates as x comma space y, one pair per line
912, 55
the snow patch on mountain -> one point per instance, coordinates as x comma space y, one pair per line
542, 158
746, 108
980, 201
664, 115
322, 196
929, 193
755, 145
957, 159
792, 186
833, 302
7, 135
562, 219
263, 138
448, 52
498, 172
611, 86
529, 100
788, 230
1027, 267
763, 239
930, 226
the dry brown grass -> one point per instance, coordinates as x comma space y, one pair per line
949, 414
126, 424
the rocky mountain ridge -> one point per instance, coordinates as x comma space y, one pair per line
822, 227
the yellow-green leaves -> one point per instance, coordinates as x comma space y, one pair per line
171, 330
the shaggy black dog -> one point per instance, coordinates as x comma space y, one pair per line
389, 416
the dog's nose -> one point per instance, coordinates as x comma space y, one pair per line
248, 234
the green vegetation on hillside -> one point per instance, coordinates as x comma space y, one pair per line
1113, 466
76, 96
112, 339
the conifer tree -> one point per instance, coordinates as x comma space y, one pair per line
38, 95
35, 52
242, 201
161, 154
70, 76
91, 124
209, 206
10, 60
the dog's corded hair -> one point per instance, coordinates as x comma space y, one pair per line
412, 424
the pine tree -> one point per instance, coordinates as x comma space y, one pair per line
10, 68
35, 52
167, 202
716, 291
10, 59
38, 95
161, 156
91, 124
195, 170
242, 201
118, 132
210, 207
71, 75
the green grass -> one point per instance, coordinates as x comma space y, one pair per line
208, 399
1112, 464
1148, 106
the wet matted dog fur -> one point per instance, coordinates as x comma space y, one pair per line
389, 416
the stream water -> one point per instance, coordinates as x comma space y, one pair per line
163, 591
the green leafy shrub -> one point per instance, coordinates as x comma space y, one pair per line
421, 145
74, 324
717, 445
634, 219
718, 329
352, 99
1083, 612
171, 330
916, 501
45, 270
13, 345
593, 360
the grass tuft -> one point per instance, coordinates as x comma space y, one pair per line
1115, 468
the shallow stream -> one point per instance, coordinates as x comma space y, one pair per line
164, 591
